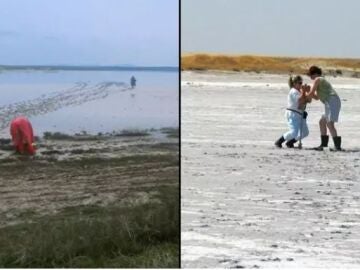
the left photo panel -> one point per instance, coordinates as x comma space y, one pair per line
89, 134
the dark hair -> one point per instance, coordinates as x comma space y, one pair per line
314, 70
294, 80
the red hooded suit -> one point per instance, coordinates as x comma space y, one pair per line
22, 135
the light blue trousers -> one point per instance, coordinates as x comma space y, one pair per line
294, 123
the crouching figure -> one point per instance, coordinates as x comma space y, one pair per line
22, 135
295, 113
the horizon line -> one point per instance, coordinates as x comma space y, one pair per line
50, 68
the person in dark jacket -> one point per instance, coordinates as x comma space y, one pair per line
133, 82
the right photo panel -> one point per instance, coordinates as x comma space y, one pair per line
270, 125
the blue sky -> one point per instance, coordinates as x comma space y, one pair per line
272, 27
89, 32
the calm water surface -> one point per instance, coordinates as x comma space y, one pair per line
152, 104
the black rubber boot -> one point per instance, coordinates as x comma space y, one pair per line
290, 144
279, 142
337, 143
324, 143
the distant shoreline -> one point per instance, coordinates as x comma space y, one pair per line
85, 68
269, 64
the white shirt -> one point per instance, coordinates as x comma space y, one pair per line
293, 100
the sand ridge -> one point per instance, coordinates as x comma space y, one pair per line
269, 64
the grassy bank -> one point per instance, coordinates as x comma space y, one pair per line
95, 236
282, 65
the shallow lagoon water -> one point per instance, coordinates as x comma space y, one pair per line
152, 104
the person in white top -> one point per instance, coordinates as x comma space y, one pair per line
295, 113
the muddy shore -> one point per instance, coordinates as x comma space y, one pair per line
116, 169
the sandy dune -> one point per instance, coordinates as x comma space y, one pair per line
246, 204
269, 64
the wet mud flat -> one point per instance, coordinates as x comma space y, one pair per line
76, 95
247, 204
125, 169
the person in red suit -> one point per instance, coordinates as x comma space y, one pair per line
22, 135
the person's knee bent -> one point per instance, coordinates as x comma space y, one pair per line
331, 126
290, 134
293, 134
322, 121
304, 133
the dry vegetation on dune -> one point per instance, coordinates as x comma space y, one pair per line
251, 63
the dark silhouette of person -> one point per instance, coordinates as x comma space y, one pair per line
133, 82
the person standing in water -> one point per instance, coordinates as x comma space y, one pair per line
323, 90
133, 82
295, 113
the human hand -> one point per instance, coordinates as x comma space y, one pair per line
306, 88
